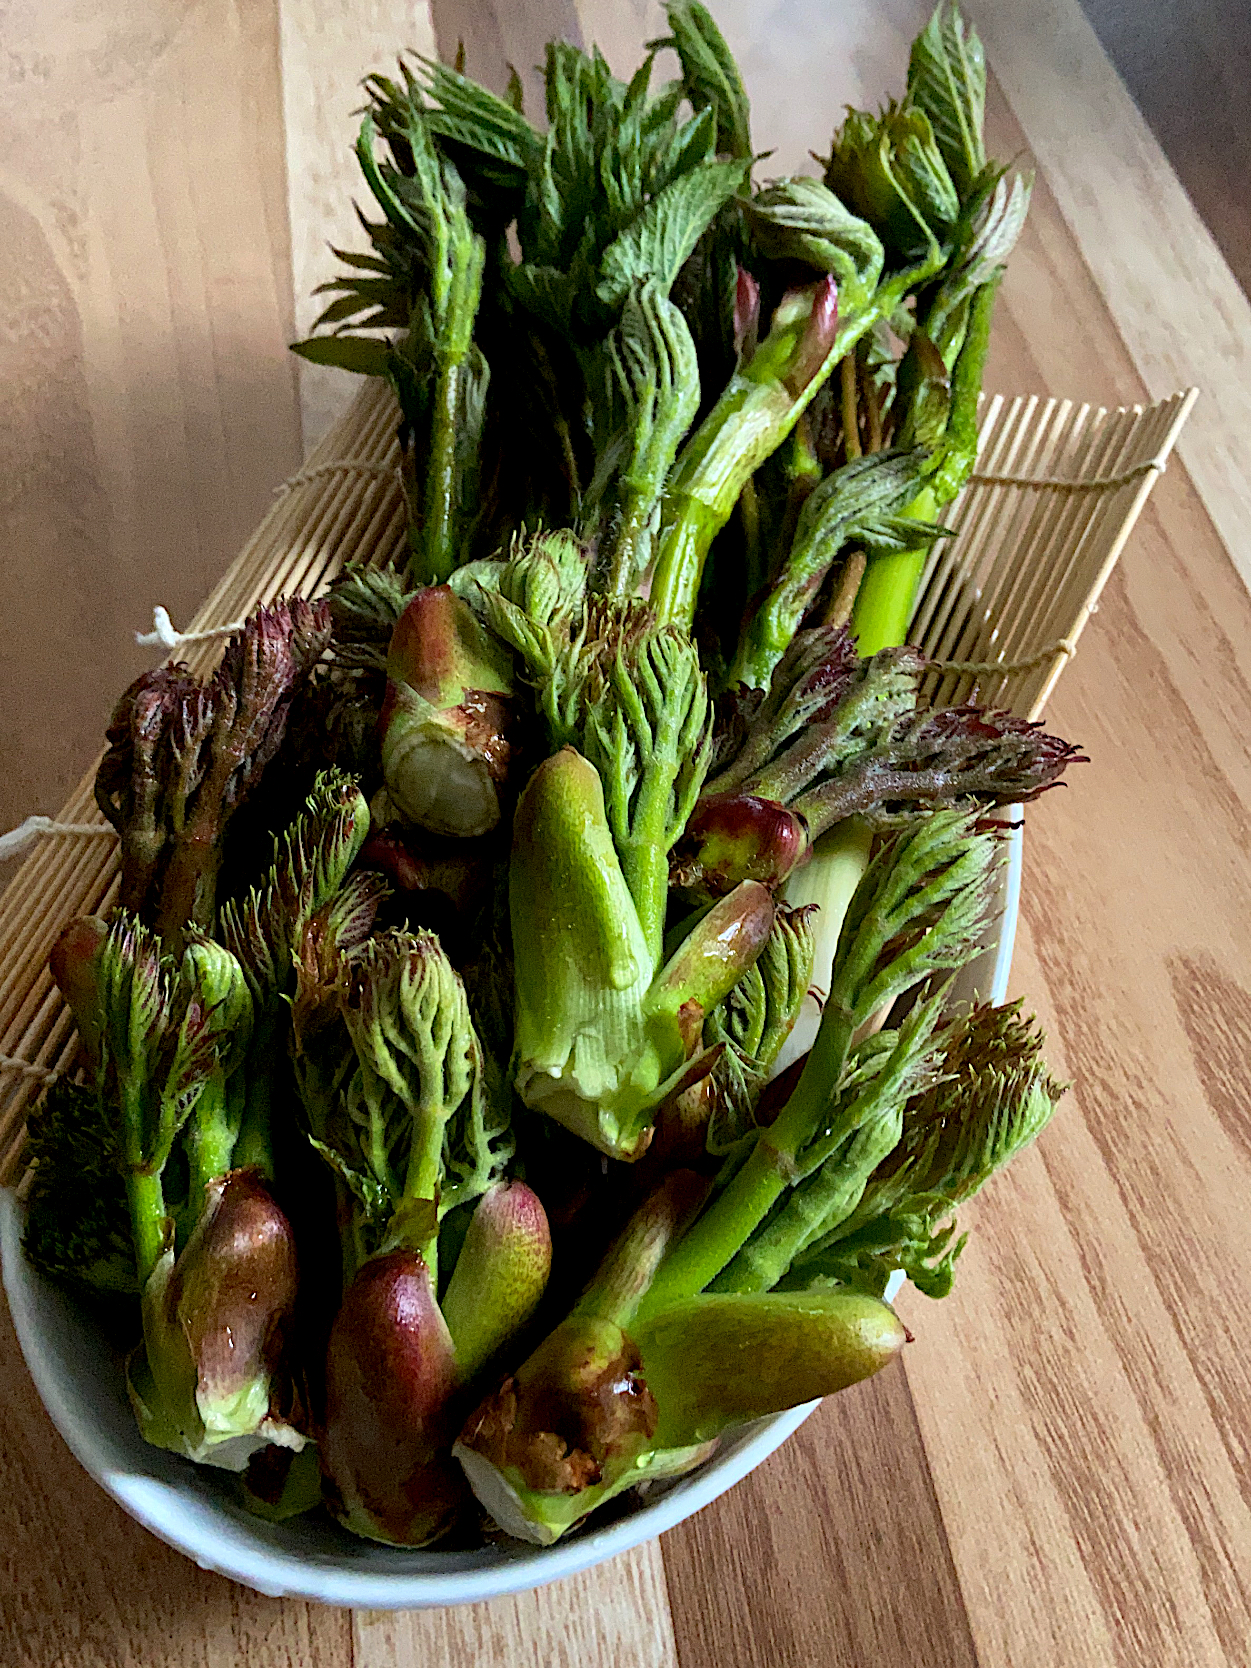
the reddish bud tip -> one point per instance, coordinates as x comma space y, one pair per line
73, 966
746, 314
390, 1382
817, 341
736, 837
500, 1275
234, 1284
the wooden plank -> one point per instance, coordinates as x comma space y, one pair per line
615, 1616
1073, 1487
326, 50
831, 1552
85, 1587
1187, 74
1178, 308
145, 286
1080, 1395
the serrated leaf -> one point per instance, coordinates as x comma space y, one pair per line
660, 240
470, 115
710, 75
802, 219
692, 144
947, 80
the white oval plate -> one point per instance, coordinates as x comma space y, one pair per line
81, 1383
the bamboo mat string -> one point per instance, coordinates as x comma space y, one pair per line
1061, 646
18, 841
25, 1068
1068, 483
337, 466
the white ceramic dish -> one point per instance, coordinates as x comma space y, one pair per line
82, 1387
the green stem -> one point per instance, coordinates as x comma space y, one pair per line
211, 1139
148, 1224
821, 1201
254, 1145
885, 601
446, 481
769, 1170
421, 1183
755, 414
851, 412
763, 402
882, 611
438, 532
628, 553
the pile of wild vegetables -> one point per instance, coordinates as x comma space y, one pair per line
521, 1050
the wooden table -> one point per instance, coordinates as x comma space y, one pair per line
1057, 1473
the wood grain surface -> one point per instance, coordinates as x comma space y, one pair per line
1057, 1476
145, 289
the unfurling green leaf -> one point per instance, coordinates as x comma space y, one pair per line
989, 1098
415, 1132
710, 76
655, 246
801, 219
947, 80
889, 170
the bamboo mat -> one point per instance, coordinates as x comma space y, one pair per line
1003, 602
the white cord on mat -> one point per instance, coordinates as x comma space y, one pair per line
165, 635
18, 841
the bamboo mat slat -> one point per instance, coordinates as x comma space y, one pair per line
1037, 532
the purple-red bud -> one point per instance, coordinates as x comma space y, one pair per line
74, 964
817, 341
390, 1386
232, 1288
736, 836
746, 314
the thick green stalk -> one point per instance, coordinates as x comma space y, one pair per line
421, 1182
864, 1134
925, 892
437, 553
210, 1139
770, 1169
630, 544
882, 611
438, 530
763, 402
146, 1198
758, 410
266, 1057
824, 1199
